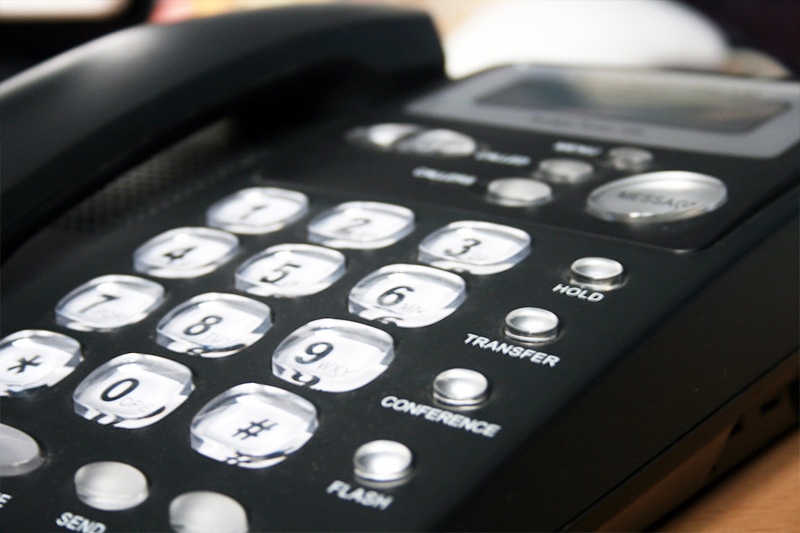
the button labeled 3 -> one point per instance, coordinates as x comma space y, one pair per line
476, 247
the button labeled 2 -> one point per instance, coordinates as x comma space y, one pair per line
361, 225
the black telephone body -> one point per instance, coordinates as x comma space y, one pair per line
274, 267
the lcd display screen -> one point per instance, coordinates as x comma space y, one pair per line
687, 106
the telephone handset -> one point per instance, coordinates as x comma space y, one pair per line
370, 298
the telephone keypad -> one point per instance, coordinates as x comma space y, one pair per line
333, 355
361, 225
290, 270
214, 325
257, 210
36, 358
476, 247
109, 302
253, 426
185, 252
133, 391
409, 296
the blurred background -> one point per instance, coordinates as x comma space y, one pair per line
750, 37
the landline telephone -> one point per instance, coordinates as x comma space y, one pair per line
358, 296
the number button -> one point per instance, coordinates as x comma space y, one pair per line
185, 252
257, 210
361, 225
214, 325
476, 247
333, 355
291, 270
133, 391
253, 426
36, 358
409, 296
109, 302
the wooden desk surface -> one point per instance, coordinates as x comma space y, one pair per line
761, 495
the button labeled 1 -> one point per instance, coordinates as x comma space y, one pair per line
133, 391
333, 355
253, 426
409, 296
476, 247
257, 210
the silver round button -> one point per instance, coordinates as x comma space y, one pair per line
19, 452
597, 272
570, 171
437, 142
460, 387
383, 461
381, 136
532, 324
110, 486
518, 192
630, 159
207, 512
664, 196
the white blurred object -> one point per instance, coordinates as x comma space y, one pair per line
614, 33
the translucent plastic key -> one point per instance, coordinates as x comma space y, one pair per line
253, 426
133, 391
333, 355
409, 296
475, 247
214, 325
